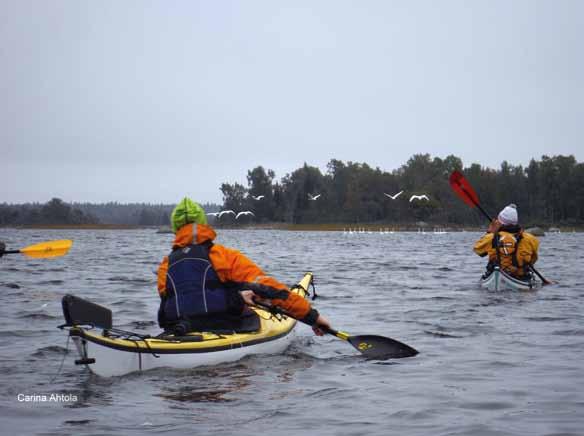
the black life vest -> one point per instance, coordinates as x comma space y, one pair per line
193, 289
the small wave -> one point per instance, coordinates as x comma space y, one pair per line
51, 349
52, 282
573, 332
38, 316
129, 280
440, 334
11, 285
442, 298
546, 318
197, 396
331, 392
501, 364
78, 422
19, 333
553, 298
142, 324
384, 362
487, 405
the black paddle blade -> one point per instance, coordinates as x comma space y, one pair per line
380, 347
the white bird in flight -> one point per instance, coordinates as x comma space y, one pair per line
393, 197
245, 212
223, 212
213, 213
419, 197
313, 197
259, 197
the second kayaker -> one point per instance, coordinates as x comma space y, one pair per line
508, 245
204, 282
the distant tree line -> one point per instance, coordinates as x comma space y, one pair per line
57, 212
548, 191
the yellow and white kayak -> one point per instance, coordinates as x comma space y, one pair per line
113, 352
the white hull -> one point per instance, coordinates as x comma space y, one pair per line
110, 362
500, 281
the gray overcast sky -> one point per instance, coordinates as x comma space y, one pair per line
154, 100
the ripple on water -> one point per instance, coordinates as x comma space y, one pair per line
52, 282
51, 350
23, 333
570, 332
78, 422
10, 285
546, 318
124, 279
190, 394
487, 405
39, 316
441, 334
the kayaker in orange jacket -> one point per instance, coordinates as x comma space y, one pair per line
508, 245
203, 279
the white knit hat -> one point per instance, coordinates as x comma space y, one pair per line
508, 215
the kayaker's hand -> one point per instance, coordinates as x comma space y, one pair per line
494, 226
320, 321
248, 297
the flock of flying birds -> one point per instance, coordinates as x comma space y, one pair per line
393, 197
310, 197
412, 198
227, 212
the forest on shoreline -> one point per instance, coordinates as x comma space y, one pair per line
548, 192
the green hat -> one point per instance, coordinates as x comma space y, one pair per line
187, 211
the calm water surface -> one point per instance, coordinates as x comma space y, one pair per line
490, 364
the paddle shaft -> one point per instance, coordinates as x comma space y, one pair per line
371, 346
9, 252
278, 311
341, 335
484, 212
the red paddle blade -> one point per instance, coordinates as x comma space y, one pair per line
464, 190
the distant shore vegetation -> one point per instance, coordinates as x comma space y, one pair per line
548, 192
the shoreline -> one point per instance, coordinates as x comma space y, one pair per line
330, 227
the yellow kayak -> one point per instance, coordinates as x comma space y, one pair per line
108, 351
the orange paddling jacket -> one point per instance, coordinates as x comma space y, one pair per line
236, 270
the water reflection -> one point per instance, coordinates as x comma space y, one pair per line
212, 385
